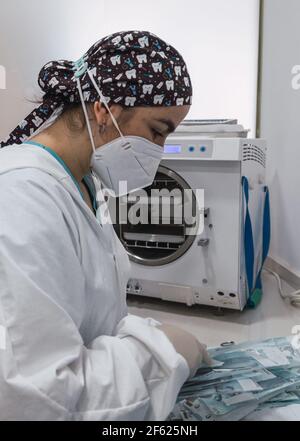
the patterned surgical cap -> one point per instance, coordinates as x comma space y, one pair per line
132, 68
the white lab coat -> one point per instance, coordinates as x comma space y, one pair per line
69, 350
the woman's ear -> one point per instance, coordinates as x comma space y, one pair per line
100, 113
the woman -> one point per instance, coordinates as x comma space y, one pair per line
70, 350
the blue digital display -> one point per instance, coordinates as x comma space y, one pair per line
172, 148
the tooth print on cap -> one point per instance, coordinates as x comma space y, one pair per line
132, 68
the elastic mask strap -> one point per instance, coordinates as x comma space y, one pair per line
103, 100
85, 113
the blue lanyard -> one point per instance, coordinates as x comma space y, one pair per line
58, 158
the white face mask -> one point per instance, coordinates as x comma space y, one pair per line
130, 160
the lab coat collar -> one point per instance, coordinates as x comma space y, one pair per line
16, 157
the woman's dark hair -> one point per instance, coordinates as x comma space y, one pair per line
73, 117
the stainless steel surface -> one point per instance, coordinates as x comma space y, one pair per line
215, 128
190, 122
154, 237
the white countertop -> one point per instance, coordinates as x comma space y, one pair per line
274, 317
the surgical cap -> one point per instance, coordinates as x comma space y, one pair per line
131, 68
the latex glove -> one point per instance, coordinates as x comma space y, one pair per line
188, 346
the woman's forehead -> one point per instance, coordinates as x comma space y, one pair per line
173, 113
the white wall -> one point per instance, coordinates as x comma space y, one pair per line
281, 126
217, 38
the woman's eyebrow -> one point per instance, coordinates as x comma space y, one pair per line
168, 123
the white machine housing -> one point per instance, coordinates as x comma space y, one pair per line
211, 270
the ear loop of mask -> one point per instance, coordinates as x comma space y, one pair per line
126, 143
85, 113
87, 117
103, 100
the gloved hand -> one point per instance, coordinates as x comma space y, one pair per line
188, 346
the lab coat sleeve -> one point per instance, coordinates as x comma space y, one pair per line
164, 370
46, 371
141, 373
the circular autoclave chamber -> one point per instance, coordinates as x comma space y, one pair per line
161, 227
